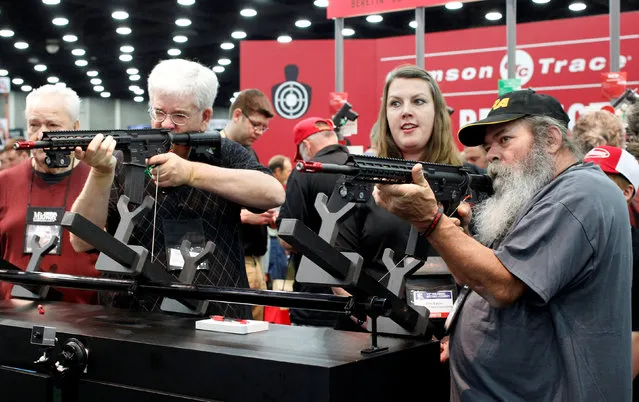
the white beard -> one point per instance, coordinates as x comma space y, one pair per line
514, 187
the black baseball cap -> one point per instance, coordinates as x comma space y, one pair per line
509, 107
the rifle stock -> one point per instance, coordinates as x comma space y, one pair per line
451, 184
136, 146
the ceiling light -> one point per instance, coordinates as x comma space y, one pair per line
69, 38
374, 18
3, 72
348, 32
26, 88
218, 69
119, 15
180, 38
493, 16
454, 5
126, 49
81, 63
51, 2
138, 99
139, 91
60, 84
6, 33
577, 6
92, 73
284, 39
302, 23
248, 12
95, 81
78, 52
321, 3
186, 2
126, 57
183, 22
123, 30
413, 24
17, 81
238, 34
224, 62
60, 21
541, 1
40, 67
133, 88
98, 88
134, 77
53, 79
227, 46
21, 45
132, 71
105, 94
174, 52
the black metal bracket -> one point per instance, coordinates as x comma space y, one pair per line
37, 254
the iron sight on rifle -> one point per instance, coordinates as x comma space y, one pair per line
451, 184
136, 146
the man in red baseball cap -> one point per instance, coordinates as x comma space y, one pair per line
311, 135
315, 140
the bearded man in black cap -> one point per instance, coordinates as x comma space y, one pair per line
544, 313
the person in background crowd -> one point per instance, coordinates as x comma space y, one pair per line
632, 131
249, 115
31, 189
372, 151
206, 193
623, 169
475, 156
599, 127
11, 157
315, 140
281, 167
548, 273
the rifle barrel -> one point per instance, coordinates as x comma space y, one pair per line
312, 167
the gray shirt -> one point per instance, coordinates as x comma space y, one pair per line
568, 337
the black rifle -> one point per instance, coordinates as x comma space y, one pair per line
451, 184
136, 146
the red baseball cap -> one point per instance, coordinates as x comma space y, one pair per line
616, 161
308, 127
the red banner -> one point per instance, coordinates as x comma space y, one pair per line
563, 58
353, 8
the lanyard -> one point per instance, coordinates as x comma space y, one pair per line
66, 193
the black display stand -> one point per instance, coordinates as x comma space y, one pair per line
152, 357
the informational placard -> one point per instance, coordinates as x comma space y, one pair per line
508, 85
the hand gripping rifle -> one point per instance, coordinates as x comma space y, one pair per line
451, 184
136, 146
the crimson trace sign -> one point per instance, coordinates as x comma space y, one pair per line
352, 8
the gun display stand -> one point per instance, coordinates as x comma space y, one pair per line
322, 264
37, 254
117, 256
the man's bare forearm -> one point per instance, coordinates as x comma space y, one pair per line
93, 204
250, 188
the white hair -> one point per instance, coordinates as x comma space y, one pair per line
180, 78
69, 98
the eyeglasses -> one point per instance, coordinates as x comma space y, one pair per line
179, 119
257, 126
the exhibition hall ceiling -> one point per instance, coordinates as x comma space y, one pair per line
109, 47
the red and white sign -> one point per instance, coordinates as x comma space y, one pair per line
352, 8
613, 84
563, 58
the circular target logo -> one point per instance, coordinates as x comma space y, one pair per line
525, 66
291, 100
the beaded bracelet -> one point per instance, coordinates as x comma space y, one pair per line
433, 224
